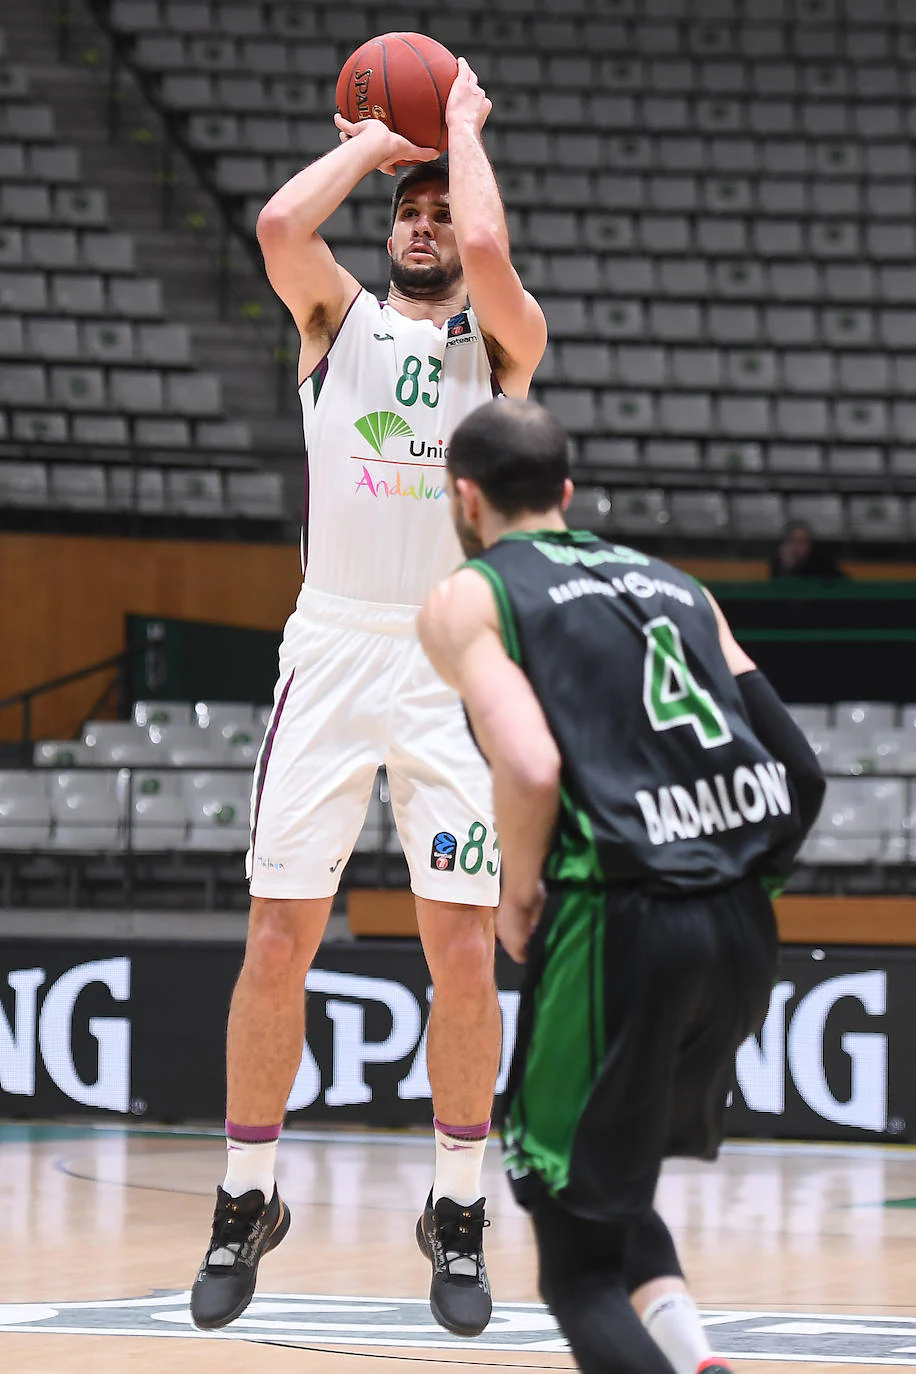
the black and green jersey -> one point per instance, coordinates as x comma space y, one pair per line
663, 779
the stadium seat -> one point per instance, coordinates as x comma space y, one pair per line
147, 713
118, 743
156, 812
186, 744
217, 806
59, 753
87, 809
25, 812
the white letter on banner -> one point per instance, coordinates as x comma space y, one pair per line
351, 1049
17, 1042
761, 1068
867, 1105
111, 1088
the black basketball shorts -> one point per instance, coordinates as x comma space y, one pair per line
633, 1008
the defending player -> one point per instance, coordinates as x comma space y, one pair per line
648, 785
382, 386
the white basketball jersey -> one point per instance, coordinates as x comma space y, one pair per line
378, 413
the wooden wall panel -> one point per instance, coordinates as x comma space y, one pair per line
63, 602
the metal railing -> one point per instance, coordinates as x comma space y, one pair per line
117, 688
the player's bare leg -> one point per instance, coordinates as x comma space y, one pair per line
263, 1051
462, 1055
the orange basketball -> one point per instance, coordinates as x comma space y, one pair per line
404, 80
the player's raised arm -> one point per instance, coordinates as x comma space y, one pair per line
459, 630
300, 265
509, 317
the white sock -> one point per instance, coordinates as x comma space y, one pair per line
458, 1165
250, 1165
674, 1325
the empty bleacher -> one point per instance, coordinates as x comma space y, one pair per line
103, 408
713, 201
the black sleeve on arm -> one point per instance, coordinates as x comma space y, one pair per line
777, 732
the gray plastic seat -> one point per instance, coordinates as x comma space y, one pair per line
585, 363
630, 412
876, 518
702, 514
52, 248
795, 458
12, 336
222, 434
193, 393
111, 342
137, 489
194, 492
136, 297
255, 495
77, 294
671, 321
76, 486
12, 246
751, 370
640, 366
744, 417
23, 484
733, 324
25, 204
618, 319
162, 432
639, 512
136, 391
101, 430
22, 384
82, 206
40, 426
78, 388
672, 455
685, 413
823, 511
574, 407
629, 276
758, 514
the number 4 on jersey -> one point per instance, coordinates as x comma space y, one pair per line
671, 694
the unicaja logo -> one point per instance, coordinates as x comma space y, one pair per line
380, 426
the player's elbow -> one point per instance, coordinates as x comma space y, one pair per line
272, 224
482, 245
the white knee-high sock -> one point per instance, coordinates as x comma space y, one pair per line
674, 1325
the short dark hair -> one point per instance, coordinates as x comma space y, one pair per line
416, 175
516, 452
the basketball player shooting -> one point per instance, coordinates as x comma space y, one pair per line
382, 386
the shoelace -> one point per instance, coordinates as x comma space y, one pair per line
462, 1243
230, 1228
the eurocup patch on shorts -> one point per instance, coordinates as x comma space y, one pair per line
445, 848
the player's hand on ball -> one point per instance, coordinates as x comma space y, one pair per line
467, 102
394, 151
516, 921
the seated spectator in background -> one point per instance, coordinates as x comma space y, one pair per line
799, 555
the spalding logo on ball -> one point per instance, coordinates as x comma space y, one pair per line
402, 79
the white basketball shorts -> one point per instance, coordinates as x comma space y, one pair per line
356, 691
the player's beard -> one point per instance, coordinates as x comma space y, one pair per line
470, 541
427, 280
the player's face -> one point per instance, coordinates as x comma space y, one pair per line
424, 254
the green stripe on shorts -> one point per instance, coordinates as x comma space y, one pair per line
567, 1043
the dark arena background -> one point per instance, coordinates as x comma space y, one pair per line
714, 203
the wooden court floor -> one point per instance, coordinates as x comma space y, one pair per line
797, 1255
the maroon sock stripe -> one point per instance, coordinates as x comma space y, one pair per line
252, 1135
463, 1132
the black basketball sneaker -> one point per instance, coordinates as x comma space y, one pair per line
451, 1238
244, 1229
